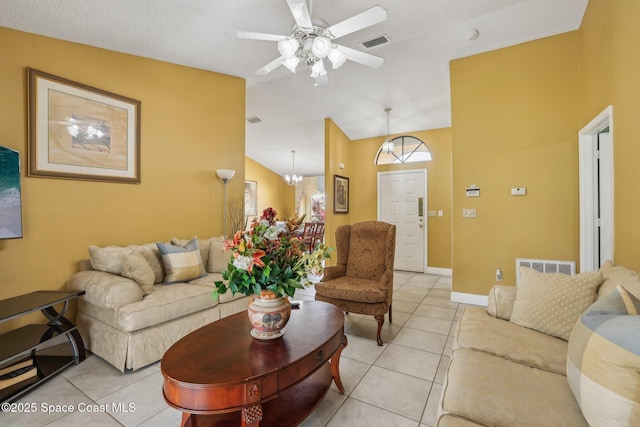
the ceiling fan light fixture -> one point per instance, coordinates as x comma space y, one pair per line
288, 47
291, 63
317, 69
321, 46
337, 58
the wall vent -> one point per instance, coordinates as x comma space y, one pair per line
546, 266
383, 39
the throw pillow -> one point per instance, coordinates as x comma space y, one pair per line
614, 275
603, 363
135, 267
181, 263
203, 244
107, 259
552, 303
218, 257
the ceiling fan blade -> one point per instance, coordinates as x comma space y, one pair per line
361, 57
260, 36
270, 66
369, 17
300, 13
322, 80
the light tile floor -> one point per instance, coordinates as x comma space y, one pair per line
398, 384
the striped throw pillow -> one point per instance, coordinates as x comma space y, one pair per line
181, 263
603, 364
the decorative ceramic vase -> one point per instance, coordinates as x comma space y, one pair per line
268, 314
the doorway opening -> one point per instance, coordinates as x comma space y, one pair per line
596, 191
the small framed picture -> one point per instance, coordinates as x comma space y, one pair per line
340, 194
250, 198
81, 132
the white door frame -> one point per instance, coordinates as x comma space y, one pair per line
587, 139
424, 208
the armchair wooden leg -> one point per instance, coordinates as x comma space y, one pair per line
380, 320
390, 314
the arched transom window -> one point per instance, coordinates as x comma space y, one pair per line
406, 149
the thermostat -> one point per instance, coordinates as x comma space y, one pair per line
473, 191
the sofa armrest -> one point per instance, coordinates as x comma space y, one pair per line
333, 272
501, 299
105, 289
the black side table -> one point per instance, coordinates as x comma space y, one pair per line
25, 348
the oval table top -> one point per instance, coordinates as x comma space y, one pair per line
221, 367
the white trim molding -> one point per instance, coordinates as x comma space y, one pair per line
440, 271
472, 299
587, 139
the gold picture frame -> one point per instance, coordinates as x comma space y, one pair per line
81, 132
340, 194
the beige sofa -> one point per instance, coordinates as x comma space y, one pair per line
504, 374
130, 317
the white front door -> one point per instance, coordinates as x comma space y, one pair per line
402, 201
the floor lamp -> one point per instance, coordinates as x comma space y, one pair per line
225, 175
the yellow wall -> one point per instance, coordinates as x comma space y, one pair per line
192, 123
364, 195
515, 124
609, 63
336, 151
273, 191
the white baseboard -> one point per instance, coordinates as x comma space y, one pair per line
440, 271
472, 299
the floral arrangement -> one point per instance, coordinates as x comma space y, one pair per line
268, 257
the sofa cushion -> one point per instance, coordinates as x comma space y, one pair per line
218, 256
551, 302
500, 301
135, 267
614, 275
164, 304
477, 330
181, 263
493, 391
603, 366
109, 258
209, 281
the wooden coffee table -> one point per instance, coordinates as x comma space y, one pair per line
219, 375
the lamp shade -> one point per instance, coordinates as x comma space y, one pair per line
321, 46
225, 174
317, 69
288, 47
291, 63
337, 58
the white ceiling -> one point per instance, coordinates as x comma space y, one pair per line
414, 79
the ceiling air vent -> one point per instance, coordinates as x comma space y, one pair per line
383, 39
254, 120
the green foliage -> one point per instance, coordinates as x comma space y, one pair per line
269, 258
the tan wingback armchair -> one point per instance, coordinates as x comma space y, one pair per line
362, 280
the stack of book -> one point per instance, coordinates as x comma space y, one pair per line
17, 372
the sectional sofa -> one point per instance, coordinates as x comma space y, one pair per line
555, 351
141, 299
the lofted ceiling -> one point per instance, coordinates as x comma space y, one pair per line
414, 79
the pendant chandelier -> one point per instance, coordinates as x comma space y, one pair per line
388, 146
293, 179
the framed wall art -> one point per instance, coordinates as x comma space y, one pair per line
10, 195
340, 194
80, 132
250, 198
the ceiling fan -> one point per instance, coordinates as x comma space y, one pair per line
311, 41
